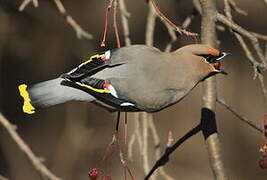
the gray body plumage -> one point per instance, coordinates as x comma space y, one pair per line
145, 76
142, 77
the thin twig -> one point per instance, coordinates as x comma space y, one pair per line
115, 24
255, 64
150, 29
240, 30
236, 8
25, 3
238, 114
149, 124
241, 41
188, 20
80, 32
3, 178
135, 136
245, 33
144, 117
156, 138
35, 161
169, 150
125, 24
172, 35
260, 36
175, 27
150, 25
263, 88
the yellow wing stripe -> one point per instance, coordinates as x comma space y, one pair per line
27, 106
94, 89
94, 56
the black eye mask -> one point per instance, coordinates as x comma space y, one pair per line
213, 59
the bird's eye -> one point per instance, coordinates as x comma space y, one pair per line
209, 58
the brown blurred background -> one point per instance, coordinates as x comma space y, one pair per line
37, 44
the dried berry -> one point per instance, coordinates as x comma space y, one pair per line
93, 174
102, 44
106, 178
263, 162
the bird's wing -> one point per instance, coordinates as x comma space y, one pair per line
104, 92
108, 59
91, 66
110, 63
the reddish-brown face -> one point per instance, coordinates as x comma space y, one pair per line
207, 54
213, 57
214, 52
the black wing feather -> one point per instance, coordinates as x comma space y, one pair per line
80, 78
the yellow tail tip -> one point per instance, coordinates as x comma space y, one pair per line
27, 106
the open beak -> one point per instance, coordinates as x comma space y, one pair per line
222, 55
217, 63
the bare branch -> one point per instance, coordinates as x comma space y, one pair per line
144, 117
248, 53
80, 32
260, 77
35, 161
236, 8
238, 114
170, 149
197, 5
125, 24
135, 136
150, 29
156, 138
115, 24
186, 23
150, 26
25, 3
208, 36
172, 35
260, 36
245, 33
164, 18
3, 178
188, 20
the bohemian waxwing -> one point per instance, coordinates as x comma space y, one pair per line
133, 78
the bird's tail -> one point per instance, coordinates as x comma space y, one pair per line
49, 93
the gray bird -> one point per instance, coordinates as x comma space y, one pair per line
132, 78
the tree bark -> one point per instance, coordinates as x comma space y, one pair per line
209, 37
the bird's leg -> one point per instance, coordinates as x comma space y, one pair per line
118, 122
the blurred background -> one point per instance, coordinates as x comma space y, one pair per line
37, 44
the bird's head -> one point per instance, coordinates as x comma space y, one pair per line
205, 58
